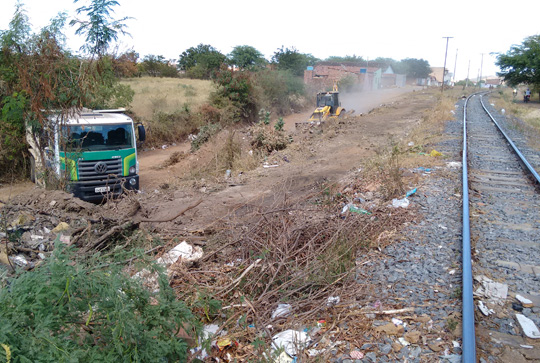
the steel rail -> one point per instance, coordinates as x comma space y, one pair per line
468, 334
514, 147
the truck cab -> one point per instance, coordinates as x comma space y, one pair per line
95, 152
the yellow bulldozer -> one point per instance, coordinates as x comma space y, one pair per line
328, 106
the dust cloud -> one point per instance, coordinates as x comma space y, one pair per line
365, 101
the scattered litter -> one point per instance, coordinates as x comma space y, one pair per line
184, 250
503, 111
332, 300
452, 358
455, 344
224, 343
451, 272
62, 226
397, 321
19, 260
266, 165
321, 323
292, 341
357, 210
452, 112
403, 203
524, 301
517, 306
65, 239
403, 341
526, 346
356, 354
315, 352
410, 192
484, 309
454, 164
529, 328
442, 227
410, 143
228, 173
283, 310
494, 291
435, 153
284, 358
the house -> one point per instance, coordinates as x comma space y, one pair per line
439, 75
368, 75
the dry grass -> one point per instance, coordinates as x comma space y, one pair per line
528, 115
167, 95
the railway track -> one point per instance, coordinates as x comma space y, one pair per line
501, 237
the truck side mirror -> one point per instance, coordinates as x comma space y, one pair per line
142, 132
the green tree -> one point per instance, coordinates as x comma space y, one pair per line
37, 74
347, 59
246, 57
414, 68
235, 89
201, 61
157, 66
100, 28
292, 60
521, 64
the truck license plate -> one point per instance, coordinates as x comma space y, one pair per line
102, 189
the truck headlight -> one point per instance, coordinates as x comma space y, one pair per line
132, 170
132, 181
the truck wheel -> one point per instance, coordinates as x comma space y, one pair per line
32, 169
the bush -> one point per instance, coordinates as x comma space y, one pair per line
172, 127
278, 89
267, 139
67, 310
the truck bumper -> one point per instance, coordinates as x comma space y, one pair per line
97, 191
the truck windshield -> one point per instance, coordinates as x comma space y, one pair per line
97, 137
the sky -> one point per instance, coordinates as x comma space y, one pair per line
371, 29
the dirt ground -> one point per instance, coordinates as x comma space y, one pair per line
316, 156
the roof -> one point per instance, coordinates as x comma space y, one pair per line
98, 118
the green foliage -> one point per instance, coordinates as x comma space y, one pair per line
51, 78
236, 89
279, 124
521, 64
100, 28
246, 57
201, 61
414, 68
157, 66
347, 59
264, 116
125, 64
279, 89
69, 310
292, 60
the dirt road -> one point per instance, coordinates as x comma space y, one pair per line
313, 158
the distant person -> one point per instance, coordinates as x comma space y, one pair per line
515, 92
528, 92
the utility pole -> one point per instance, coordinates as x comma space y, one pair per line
467, 81
444, 68
455, 66
481, 66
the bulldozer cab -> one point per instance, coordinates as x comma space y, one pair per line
328, 99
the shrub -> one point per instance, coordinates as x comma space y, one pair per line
236, 88
268, 139
68, 310
172, 127
278, 89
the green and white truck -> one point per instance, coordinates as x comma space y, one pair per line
95, 152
